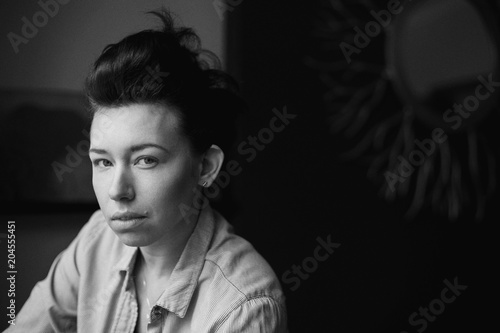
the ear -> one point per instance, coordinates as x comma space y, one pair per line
211, 165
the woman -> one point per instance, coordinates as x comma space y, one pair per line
156, 257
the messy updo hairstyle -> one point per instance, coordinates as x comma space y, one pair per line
168, 66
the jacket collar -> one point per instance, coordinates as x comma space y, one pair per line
184, 278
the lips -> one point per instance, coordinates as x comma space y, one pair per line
127, 216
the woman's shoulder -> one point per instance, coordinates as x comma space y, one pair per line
94, 226
95, 234
239, 264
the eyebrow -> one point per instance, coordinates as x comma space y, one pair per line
133, 149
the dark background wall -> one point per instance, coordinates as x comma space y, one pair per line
298, 189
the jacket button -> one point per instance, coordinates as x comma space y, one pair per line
156, 313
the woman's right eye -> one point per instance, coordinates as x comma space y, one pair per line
102, 163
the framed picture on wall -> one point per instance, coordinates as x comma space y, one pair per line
44, 149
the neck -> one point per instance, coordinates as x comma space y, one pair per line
159, 259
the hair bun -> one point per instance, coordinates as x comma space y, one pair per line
169, 66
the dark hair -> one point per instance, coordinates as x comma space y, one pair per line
169, 66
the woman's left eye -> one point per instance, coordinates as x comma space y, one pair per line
147, 161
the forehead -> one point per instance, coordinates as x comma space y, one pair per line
136, 123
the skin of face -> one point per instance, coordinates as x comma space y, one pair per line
143, 170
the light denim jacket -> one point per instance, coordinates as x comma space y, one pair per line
220, 284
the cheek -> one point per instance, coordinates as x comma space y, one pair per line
100, 188
173, 187
170, 188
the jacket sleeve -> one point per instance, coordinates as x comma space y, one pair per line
261, 314
52, 304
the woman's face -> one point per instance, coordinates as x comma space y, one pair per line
143, 171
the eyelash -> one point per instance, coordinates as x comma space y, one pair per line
97, 163
154, 161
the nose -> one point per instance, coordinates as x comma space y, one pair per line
121, 187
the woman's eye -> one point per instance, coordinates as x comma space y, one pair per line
102, 163
147, 161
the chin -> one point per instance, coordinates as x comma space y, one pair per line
133, 240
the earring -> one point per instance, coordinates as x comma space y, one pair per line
205, 183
